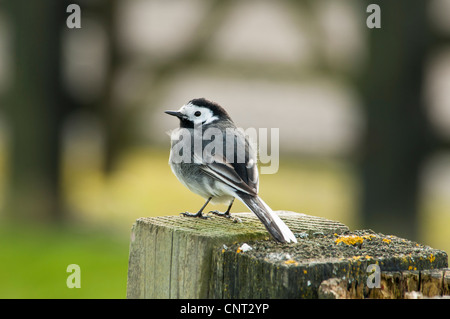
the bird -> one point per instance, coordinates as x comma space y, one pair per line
222, 173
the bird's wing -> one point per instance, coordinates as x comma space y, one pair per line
226, 174
246, 166
237, 169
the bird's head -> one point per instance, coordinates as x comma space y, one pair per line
200, 112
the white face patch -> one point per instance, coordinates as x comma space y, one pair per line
198, 114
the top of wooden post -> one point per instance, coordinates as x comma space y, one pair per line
249, 229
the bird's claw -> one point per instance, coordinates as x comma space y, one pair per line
198, 215
226, 215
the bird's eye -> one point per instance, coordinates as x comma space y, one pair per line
198, 113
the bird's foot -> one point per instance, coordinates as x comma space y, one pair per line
198, 215
226, 215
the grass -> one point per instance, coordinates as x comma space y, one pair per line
34, 260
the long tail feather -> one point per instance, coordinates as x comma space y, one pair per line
274, 225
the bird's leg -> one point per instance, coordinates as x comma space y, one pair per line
198, 214
227, 214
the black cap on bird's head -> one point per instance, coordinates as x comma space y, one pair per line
214, 107
199, 112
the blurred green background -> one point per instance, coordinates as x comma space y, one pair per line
364, 119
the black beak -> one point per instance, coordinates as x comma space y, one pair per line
174, 113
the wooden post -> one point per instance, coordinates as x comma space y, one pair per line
181, 257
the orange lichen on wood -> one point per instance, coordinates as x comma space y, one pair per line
290, 262
353, 239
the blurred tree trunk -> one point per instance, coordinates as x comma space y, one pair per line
117, 122
117, 126
36, 107
398, 136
